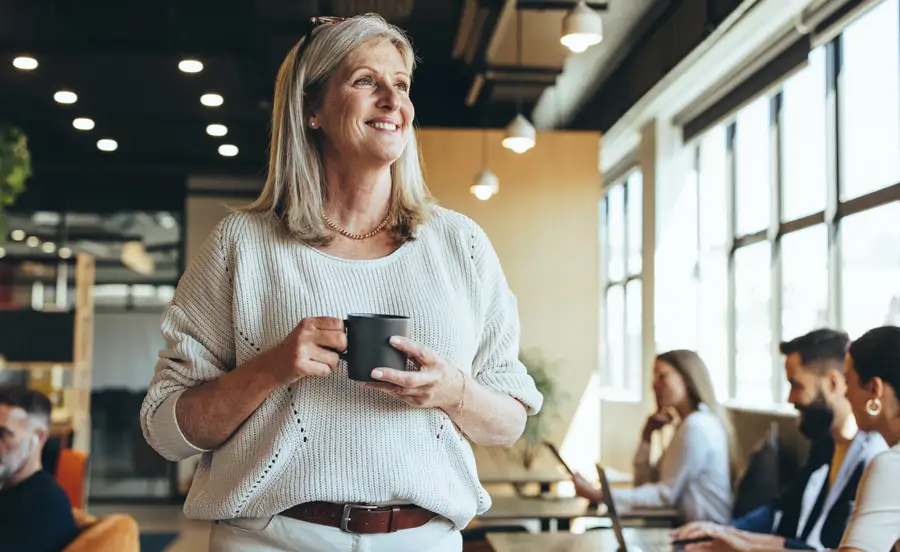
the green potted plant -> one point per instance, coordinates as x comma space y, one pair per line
15, 168
536, 426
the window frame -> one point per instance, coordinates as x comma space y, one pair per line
831, 217
609, 391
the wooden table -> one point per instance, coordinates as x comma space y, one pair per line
592, 541
545, 479
564, 510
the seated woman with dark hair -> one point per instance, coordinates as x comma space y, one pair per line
873, 384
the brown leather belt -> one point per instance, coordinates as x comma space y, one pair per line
361, 518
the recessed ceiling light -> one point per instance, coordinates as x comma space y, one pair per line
217, 130
49, 247
32, 241
25, 63
212, 100
65, 97
17, 235
65, 252
228, 150
190, 66
107, 145
83, 123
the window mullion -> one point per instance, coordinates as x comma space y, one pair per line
730, 193
833, 181
777, 209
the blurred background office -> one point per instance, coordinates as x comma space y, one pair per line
713, 175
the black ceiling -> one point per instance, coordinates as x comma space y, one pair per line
121, 58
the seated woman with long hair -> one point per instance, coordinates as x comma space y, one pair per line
694, 474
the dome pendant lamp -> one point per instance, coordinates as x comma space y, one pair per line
582, 28
486, 182
520, 133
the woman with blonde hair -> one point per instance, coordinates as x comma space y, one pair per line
295, 454
695, 473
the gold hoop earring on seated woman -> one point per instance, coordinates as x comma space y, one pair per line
873, 407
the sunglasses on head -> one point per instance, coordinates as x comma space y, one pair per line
313, 24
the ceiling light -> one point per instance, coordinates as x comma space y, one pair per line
17, 235
32, 241
65, 97
65, 252
107, 145
486, 185
25, 63
582, 28
190, 66
49, 247
217, 130
228, 150
83, 123
211, 100
520, 135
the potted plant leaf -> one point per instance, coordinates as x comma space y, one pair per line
15, 168
537, 426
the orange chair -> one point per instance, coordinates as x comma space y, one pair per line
72, 474
115, 533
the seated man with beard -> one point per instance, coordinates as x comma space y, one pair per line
813, 512
35, 514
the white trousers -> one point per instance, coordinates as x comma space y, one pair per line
284, 534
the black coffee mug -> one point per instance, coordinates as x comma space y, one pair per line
368, 344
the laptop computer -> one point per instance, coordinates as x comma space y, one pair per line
643, 540
559, 457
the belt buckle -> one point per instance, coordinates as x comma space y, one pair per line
345, 518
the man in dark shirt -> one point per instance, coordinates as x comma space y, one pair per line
35, 514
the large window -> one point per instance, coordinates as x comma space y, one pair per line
620, 229
798, 201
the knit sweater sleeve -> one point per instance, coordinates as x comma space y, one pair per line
198, 330
496, 364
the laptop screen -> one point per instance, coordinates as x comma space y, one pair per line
611, 508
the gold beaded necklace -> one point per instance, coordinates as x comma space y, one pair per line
351, 235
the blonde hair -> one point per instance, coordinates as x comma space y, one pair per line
701, 391
295, 184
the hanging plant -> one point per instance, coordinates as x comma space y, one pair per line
15, 168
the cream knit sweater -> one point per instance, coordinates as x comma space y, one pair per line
330, 439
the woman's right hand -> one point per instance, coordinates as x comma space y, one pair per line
657, 421
311, 349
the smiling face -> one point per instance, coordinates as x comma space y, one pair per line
365, 114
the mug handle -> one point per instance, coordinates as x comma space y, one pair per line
343, 355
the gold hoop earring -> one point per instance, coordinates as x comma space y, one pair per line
873, 407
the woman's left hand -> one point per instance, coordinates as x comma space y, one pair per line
435, 385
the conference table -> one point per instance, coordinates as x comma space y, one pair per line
636, 540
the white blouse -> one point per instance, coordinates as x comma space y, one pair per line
692, 476
875, 522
